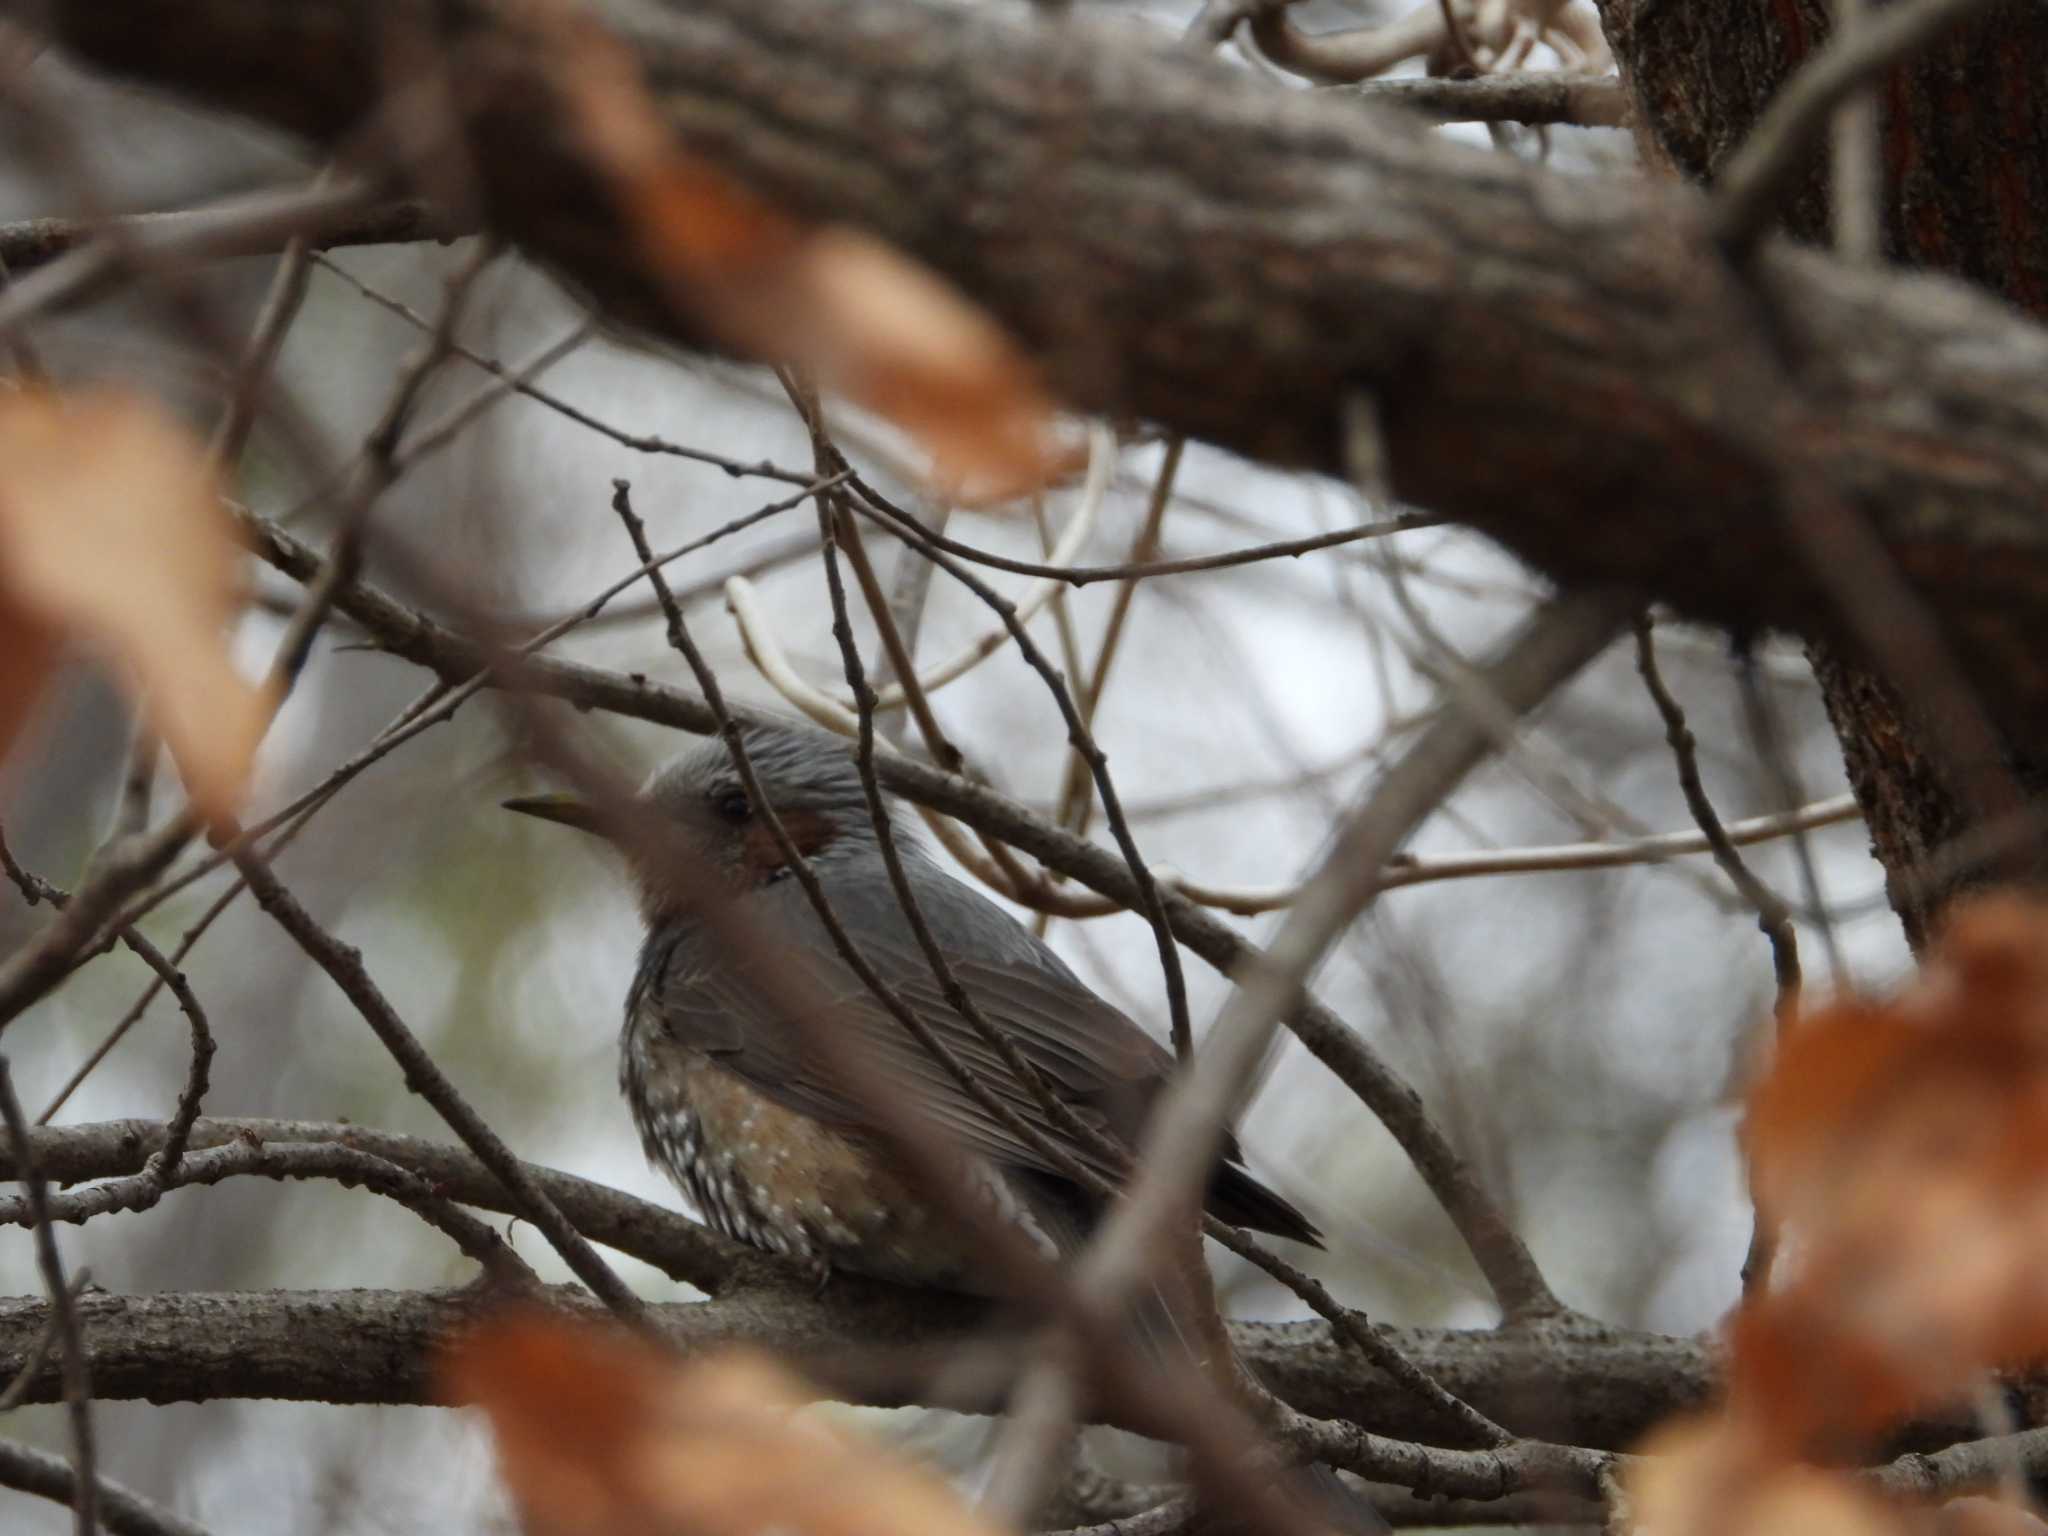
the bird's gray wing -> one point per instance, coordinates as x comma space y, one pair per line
1100, 1063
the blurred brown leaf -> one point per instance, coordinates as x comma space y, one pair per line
1903, 1146
870, 322
112, 535
1706, 1475
1979, 1516
601, 1433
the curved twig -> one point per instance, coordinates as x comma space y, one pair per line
125, 1513
246, 1157
764, 649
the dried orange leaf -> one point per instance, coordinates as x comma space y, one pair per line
1903, 1146
1699, 1477
891, 335
872, 323
26, 652
1976, 1515
600, 1433
112, 534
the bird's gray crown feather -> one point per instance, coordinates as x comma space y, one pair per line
799, 767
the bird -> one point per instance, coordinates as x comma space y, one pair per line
755, 1126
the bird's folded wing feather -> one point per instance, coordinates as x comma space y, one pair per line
1099, 1063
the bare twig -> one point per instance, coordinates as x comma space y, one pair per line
1073, 808
35, 889
1773, 917
654, 1234
520, 382
246, 1157
345, 967
1085, 575
1183, 1132
123, 1512
35, 1200
26, 244
1083, 742
167, 242
760, 641
281, 305
36, 967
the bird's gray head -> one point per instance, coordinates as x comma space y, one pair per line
807, 776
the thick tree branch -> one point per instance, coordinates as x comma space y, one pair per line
874, 1343
1237, 259
1626, 1381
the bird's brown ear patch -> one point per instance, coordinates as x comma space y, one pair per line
811, 831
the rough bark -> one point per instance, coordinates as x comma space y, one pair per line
1573, 1381
1564, 363
1965, 160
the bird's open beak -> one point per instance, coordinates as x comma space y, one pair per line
566, 809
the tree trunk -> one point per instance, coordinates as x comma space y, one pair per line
1964, 135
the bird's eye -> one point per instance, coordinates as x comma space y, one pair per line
731, 805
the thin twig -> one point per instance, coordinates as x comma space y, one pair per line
26, 244
248, 1157
345, 967
281, 305
522, 384
1074, 808
1773, 917
1184, 1130
77, 1377
1086, 575
1083, 742
262, 222
125, 1513
1856, 172
1769, 743
654, 1234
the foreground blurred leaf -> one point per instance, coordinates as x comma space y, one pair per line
1703, 1477
870, 322
1904, 1147
601, 1433
112, 535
